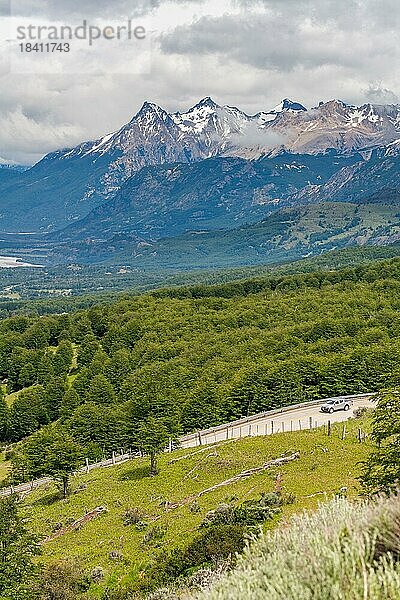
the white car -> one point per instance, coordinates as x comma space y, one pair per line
334, 404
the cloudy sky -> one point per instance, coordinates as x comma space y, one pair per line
248, 53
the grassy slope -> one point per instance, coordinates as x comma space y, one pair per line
326, 464
11, 397
4, 467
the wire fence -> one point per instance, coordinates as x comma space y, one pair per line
266, 423
117, 458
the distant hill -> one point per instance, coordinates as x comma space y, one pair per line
376, 179
288, 234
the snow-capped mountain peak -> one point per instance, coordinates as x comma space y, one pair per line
209, 118
93, 172
155, 136
285, 106
288, 105
150, 112
207, 102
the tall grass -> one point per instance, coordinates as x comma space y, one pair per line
344, 551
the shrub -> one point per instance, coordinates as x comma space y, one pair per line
63, 580
132, 516
210, 547
215, 544
345, 550
249, 513
154, 535
360, 412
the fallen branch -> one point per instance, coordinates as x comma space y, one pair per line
76, 524
205, 449
276, 462
198, 465
317, 494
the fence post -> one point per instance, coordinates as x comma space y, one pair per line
249, 429
240, 431
113, 457
283, 427
227, 433
329, 428
87, 465
291, 426
310, 422
272, 427
360, 436
344, 431
170, 445
299, 425
266, 428
199, 434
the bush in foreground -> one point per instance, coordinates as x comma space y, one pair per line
344, 550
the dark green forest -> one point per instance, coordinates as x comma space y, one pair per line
196, 356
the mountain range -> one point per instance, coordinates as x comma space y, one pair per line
212, 168
218, 192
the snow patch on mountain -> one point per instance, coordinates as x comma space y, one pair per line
154, 136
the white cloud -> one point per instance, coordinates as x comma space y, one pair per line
252, 137
248, 53
379, 94
18, 130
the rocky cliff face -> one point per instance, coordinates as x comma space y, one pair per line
374, 179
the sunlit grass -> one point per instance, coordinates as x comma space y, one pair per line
326, 465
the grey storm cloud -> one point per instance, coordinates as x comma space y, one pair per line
345, 13
71, 9
247, 53
5, 8
313, 34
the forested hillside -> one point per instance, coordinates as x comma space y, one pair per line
197, 356
138, 371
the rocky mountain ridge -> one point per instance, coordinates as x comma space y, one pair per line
67, 185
